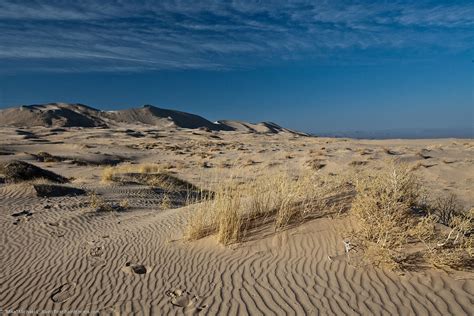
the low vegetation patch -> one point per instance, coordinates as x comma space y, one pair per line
398, 226
111, 173
175, 191
235, 211
393, 214
152, 175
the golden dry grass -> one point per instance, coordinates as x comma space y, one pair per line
109, 172
382, 205
153, 175
279, 200
385, 210
389, 206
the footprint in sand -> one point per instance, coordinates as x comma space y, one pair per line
184, 299
135, 268
63, 292
22, 216
96, 251
94, 254
57, 233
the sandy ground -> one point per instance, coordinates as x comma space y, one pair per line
61, 255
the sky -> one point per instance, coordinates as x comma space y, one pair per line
308, 65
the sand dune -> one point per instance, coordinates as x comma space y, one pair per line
79, 115
60, 253
160, 117
264, 127
54, 114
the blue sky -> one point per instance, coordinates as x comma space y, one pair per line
309, 65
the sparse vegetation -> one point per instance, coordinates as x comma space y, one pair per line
109, 172
390, 208
445, 209
277, 201
153, 175
166, 201
386, 208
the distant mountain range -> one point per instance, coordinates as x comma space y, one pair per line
80, 115
408, 133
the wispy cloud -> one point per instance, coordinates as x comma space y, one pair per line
121, 35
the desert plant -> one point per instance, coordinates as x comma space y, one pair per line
446, 209
124, 204
165, 201
109, 172
382, 256
446, 258
383, 207
425, 229
199, 224
233, 211
387, 207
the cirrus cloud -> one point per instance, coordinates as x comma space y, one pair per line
119, 35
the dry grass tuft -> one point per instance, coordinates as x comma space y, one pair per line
383, 203
386, 208
280, 200
153, 175
109, 172
166, 202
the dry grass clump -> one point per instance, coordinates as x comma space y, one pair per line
166, 202
383, 203
454, 247
153, 175
217, 214
236, 211
109, 172
386, 209
382, 208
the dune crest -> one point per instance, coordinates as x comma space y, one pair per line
80, 115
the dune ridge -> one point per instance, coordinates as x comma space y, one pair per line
80, 115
